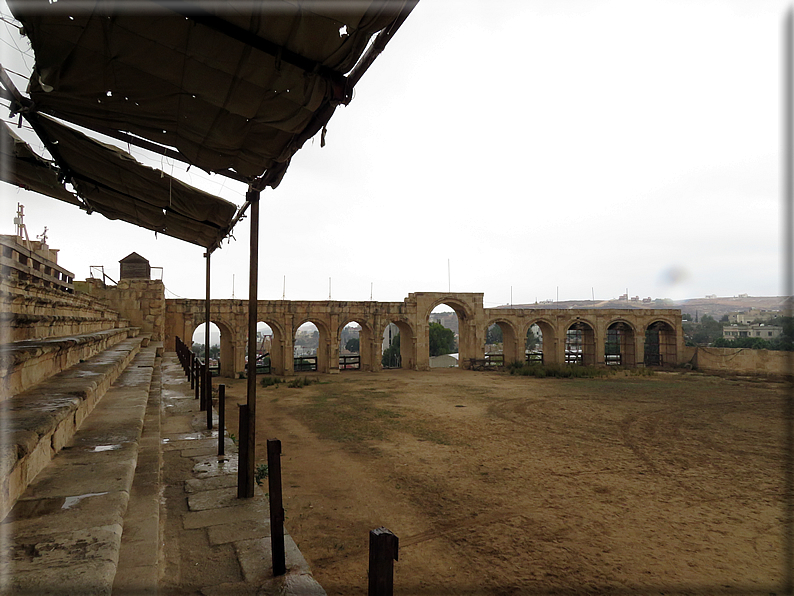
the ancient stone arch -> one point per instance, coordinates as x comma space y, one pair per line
512, 343
412, 318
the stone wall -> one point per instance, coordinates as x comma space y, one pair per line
141, 301
741, 361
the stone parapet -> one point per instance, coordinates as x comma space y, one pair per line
741, 361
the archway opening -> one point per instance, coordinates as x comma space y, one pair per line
494, 345
221, 353
305, 347
533, 347
350, 347
580, 344
619, 345
391, 357
199, 337
443, 336
660, 344
264, 347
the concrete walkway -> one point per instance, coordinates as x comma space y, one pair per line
214, 543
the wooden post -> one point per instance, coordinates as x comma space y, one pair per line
383, 549
276, 506
208, 393
243, 454
221, 418
192, 368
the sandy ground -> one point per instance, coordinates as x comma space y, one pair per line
669, 484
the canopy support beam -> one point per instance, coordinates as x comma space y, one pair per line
245, 477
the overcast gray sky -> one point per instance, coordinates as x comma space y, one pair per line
534, 144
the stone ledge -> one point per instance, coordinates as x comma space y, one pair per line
40, 421
65, 531
24, 364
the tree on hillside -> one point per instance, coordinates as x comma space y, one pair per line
353, 344
494, 335
442, 340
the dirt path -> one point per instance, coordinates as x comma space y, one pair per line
506, 485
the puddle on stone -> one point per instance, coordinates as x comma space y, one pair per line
31, 508
106, 448
69, 502
188, 437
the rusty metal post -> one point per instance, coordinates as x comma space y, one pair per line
221, 418
248, 434
276, 506
208, 394
202, 393
383, 550
197, 375
243, 455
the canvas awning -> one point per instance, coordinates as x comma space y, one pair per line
111, 182
24, 168
233, 87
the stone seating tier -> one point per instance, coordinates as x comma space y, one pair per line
24, 364
41, 420
65, 532
33, 312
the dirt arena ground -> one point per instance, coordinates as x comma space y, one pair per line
497, 485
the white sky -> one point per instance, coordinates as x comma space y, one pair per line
593, 146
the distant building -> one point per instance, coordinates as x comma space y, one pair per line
711, 296
754, 314
755, 331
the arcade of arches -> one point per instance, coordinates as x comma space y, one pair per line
629, 337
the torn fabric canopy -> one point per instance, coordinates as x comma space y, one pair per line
228, 88
113, 183
22, 167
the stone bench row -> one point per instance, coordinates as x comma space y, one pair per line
33, 312
24, 364
21, 327
40, 421
65, 531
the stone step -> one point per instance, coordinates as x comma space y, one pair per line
40, 421
31, 312
25, 364
140, 557
64, 533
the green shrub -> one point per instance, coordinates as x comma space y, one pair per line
269, 381
260, 474
299, 382
565, 371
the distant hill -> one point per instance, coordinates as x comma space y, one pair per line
716, 307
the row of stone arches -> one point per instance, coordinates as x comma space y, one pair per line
620, 345
619, 342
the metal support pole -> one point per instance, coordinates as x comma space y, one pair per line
192, 369
207, 382
242, 463
383, 550
221, 418
276, 506
249, 435
208, 394
197, 375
